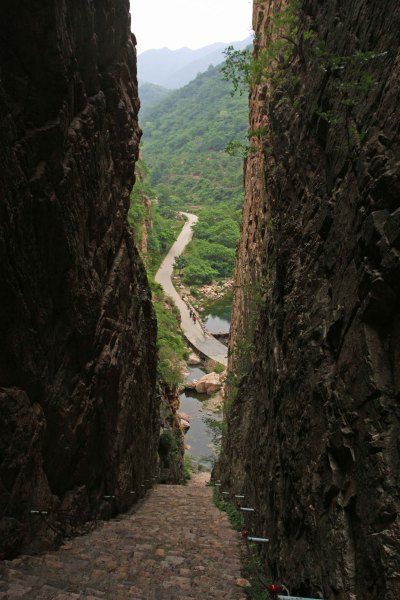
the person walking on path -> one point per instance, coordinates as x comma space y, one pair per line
194, 318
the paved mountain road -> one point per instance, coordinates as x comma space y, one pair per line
204, 342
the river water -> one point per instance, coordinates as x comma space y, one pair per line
200, 437
217, 315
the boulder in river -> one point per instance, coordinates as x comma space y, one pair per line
190, 385
185, 425
184, 421
209, 383
183, 415
194, 359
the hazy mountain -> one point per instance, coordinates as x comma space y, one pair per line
174, 68
151, 94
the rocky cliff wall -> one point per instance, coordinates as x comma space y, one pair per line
313, 432
171, 448
79, 417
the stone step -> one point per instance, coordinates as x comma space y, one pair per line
175, 546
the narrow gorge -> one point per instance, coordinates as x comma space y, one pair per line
99, 496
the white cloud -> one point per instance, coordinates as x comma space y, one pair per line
192, 23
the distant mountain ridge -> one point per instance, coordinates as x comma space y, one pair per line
173, 69
151, 94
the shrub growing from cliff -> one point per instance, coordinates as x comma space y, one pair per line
168, 444
137, 210
279, 65
172, 351
235, 517
244, 70
163, 223
187, 468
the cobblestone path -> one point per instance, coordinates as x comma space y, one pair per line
177, 545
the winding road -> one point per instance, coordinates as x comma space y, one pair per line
193, 332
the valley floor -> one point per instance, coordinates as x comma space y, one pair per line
175, 546
193, 332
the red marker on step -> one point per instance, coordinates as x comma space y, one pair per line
274, 590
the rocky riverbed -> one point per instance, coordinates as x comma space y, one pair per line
199, 412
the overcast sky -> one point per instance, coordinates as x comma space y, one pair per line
192, 23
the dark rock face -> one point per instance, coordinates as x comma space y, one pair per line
79, 417
171, 448
313, 433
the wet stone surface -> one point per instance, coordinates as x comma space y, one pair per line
177, 545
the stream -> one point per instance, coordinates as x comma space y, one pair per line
217, 315
200, 437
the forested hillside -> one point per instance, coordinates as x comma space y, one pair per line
150, 95
184, 142
185, 167
184, 138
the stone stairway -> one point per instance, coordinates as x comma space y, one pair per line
175, 545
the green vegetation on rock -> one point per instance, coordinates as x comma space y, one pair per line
188, 468
187, 169
164, 223
235, 516
150, 95
161, 234
172, 351
184, 140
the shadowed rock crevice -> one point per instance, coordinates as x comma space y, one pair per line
77, 357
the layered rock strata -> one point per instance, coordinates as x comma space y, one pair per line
313, 431
79, 417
